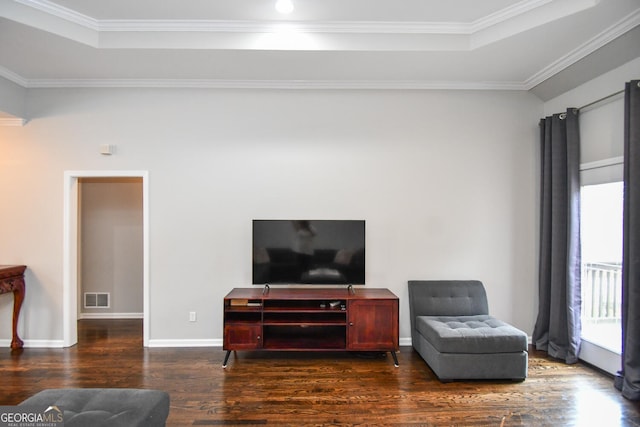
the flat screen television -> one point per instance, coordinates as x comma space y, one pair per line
324, 252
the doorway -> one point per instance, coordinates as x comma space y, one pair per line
71, 266
110, 251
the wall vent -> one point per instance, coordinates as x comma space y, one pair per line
96, 300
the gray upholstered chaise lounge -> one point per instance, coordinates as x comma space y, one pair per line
453, 332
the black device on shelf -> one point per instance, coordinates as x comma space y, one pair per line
321, 252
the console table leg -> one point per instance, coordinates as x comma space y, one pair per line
395, 359
12, 280
18, 298
226, 359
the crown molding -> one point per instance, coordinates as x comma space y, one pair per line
273, 84
616, 30
337, 27
15, 78
11, 121
61, 12
505, 14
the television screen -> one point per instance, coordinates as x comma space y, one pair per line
308, 252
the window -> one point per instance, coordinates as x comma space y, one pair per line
601, 234
601, 171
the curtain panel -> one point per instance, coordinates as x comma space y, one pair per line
628, 378
558, 326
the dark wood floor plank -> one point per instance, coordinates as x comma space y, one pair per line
303, 388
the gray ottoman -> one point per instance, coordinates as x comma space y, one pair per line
106, 406
473, 347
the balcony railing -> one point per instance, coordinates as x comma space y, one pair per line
601, 291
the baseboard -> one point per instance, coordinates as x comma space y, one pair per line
405, 342
35, 343
216, 342
82, 316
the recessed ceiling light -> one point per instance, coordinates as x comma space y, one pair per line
284, 6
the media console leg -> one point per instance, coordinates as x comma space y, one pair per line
395, 359
226, 359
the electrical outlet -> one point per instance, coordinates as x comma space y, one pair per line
192, 316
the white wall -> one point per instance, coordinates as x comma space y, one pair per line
446, 180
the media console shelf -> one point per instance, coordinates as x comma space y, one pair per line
318, 319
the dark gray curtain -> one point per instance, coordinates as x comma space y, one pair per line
558, 326
628, 379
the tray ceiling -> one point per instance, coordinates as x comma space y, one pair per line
395, 44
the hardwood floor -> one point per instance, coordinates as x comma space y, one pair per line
300, 388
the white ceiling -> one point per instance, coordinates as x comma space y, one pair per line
395, 44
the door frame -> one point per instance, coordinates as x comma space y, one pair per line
70, 249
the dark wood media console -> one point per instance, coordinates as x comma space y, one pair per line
311, 319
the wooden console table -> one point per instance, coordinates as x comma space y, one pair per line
12, 280
315, 319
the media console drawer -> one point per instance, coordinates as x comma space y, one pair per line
318, 319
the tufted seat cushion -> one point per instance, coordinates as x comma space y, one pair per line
109, 407
482, 334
